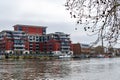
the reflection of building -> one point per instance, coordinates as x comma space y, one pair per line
45, 70
27, 38
79, 49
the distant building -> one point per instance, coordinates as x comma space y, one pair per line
85, 48
79, 48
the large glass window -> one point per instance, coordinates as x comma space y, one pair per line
19, 28
44, 30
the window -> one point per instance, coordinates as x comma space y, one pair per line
37, 40
19, 28
44, 30
37, 37
33, 37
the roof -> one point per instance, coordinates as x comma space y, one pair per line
11, 31
58, 33
29, 26
84, 45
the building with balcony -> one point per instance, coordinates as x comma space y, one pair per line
33, 39
31, 29
34, 34
58, 43
12, 41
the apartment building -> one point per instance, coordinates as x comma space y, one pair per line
34, 34
12, 41
58, 43
32, 39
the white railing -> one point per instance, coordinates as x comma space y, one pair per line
15, 45
19, 49
65, 46
65, 50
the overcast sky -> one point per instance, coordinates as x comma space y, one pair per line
50, 13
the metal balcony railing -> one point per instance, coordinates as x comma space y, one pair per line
15, 45
19, 49
65, 47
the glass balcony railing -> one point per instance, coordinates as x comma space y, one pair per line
65, 50
19, 49
65, 47
15, 45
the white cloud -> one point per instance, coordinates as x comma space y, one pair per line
41, 10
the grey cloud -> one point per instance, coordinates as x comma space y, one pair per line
12, 14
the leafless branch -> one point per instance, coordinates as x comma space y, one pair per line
100, 17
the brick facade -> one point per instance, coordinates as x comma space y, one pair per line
28, 38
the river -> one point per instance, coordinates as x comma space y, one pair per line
61, 69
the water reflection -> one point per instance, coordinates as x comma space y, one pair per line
34, 69
91, 69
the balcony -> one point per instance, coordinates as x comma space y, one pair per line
20, 34
1, 38
44, 33
31, 47
19, 49
37, 44
55, 37
16, 45
65, 50
65, 47
17, 37
9, 37
8, 34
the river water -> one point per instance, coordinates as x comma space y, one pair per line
61, 69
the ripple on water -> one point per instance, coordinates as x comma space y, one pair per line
89, 69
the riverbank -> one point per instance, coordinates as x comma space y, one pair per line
49, 57
41, 57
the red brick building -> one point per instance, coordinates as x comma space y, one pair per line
34, 34
80, 48
32, 39
77, 49
13, 41
30, 29
58, 43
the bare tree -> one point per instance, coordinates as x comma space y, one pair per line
101, 17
